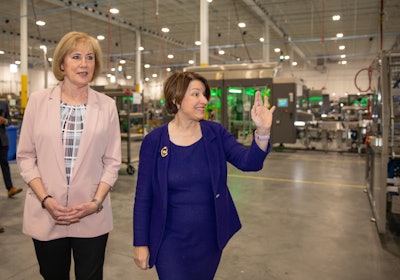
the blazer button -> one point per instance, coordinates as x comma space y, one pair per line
217, 196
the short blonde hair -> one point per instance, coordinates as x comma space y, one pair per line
69, 43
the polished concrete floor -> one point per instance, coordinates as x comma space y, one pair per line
305, 216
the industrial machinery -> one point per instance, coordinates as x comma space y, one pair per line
383, 150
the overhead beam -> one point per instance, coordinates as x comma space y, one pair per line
264, 15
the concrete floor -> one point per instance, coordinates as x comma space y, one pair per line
305, 216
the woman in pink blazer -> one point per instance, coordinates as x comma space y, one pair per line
69, 154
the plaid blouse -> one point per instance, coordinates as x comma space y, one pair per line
72, 120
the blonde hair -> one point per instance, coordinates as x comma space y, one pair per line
68, 43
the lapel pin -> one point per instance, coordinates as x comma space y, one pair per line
164, 151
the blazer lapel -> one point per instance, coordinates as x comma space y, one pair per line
89, 127
163, 155
213, 155
53, 110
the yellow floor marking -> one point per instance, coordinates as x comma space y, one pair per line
297, 181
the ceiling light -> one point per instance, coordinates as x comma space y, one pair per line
17, 62
170, 56
336, 17
147, 66
342, 56
221, 52
168, 69
40, 23
261, 39
287, 57
294, 63
241, 24
344, 62
141, 49
191, 61
209, 1
197, 43
113, 69
154, 75
128, 77
277, 50
339, 35
43, 47
146, 79
165, 29
13, 68
2, 52
342, 47
122, 61
114, 11
100, 37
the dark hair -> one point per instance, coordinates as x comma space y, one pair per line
68, 43
175, 88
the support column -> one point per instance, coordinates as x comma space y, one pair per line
24, 53
138, 72
267, 41
204, 33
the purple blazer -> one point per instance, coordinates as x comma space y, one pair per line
150, 207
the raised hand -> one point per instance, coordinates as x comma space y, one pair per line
261, 115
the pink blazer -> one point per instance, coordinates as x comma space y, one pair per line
40, 154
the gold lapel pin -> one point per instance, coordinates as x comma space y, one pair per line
164, 151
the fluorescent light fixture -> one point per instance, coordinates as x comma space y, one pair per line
299, 123
165, 29
342, 47
242, 24
114, 11
40, 23
13, 68
100, 37
336, 17
277, 50
197, 43
147, 66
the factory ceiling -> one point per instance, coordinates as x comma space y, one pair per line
304, 30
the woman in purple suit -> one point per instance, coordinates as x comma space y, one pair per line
184, 214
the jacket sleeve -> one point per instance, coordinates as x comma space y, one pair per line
26, 152
112, 155
243, 158
144, 193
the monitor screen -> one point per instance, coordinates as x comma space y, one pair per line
282, 102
